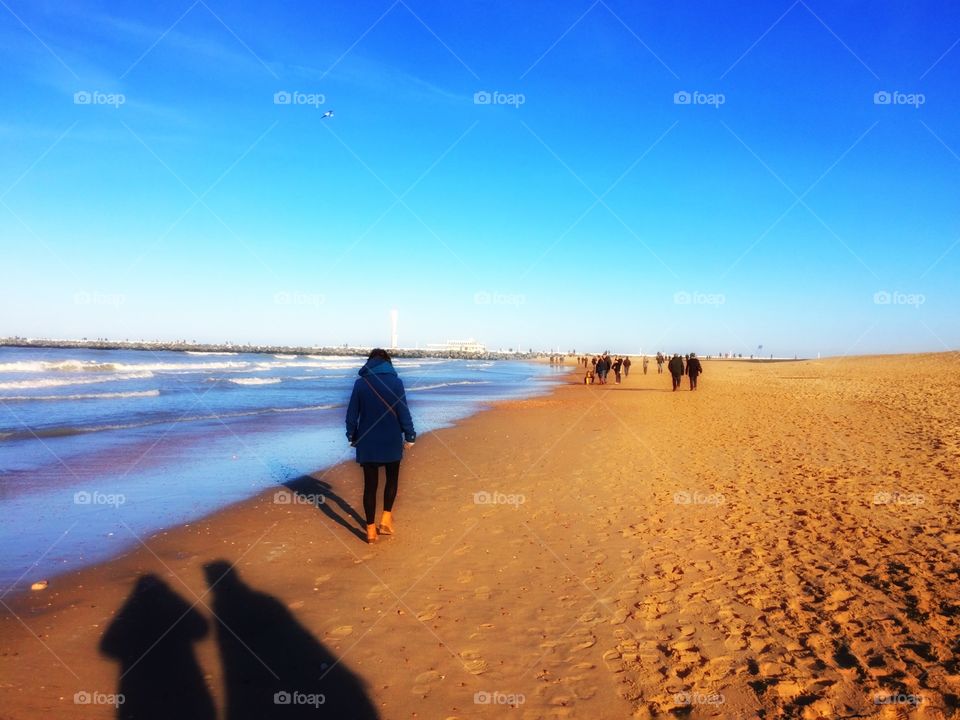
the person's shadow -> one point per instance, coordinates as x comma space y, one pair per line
272, 666
308, 487
152, 638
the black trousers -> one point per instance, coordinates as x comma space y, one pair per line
693, 382
676, 380
371, 477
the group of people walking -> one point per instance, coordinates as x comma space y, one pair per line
599, 367
602, 365
679, 366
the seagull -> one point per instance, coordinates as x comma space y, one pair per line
327, 114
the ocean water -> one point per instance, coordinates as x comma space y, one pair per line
99, 449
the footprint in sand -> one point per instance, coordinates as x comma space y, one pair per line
583, 639
619, 616
473, 662
577, 685
482, 593
612, 661
463, 550
465, 577
425, 682
428, 613
589, 618
375, 591
342, 631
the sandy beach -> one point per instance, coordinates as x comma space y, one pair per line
783, 542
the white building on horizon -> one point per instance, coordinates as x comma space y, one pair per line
466, 346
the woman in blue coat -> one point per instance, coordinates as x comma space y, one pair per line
379, 426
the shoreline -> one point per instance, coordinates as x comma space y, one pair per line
727, 543
105, 554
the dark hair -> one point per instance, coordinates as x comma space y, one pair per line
379, 353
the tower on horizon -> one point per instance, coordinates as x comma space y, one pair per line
394, 315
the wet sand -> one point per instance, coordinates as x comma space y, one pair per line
783, 542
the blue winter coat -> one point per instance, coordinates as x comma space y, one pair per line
378, 432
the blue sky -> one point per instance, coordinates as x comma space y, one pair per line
586, 206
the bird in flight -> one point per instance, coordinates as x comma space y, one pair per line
327, 114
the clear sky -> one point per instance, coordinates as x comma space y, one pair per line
706, 176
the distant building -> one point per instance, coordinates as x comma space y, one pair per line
464, 346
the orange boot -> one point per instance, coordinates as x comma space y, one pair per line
386, 523
371, 534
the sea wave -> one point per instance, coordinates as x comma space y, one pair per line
64, 431
91, 366
60, 382
255, 381
82, 396
449, 384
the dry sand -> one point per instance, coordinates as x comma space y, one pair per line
784, 540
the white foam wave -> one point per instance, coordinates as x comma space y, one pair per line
450, 384
82, 396
60, 382
255, 381
90, 366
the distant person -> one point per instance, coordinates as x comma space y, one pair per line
660, 363
675, 366
626, 366
617, 366
379, 426
646, 362
694, 368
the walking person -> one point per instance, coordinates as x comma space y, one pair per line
617, 365
379, 426
659, 363
675, 366
694, 368
646, 361
626, 366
